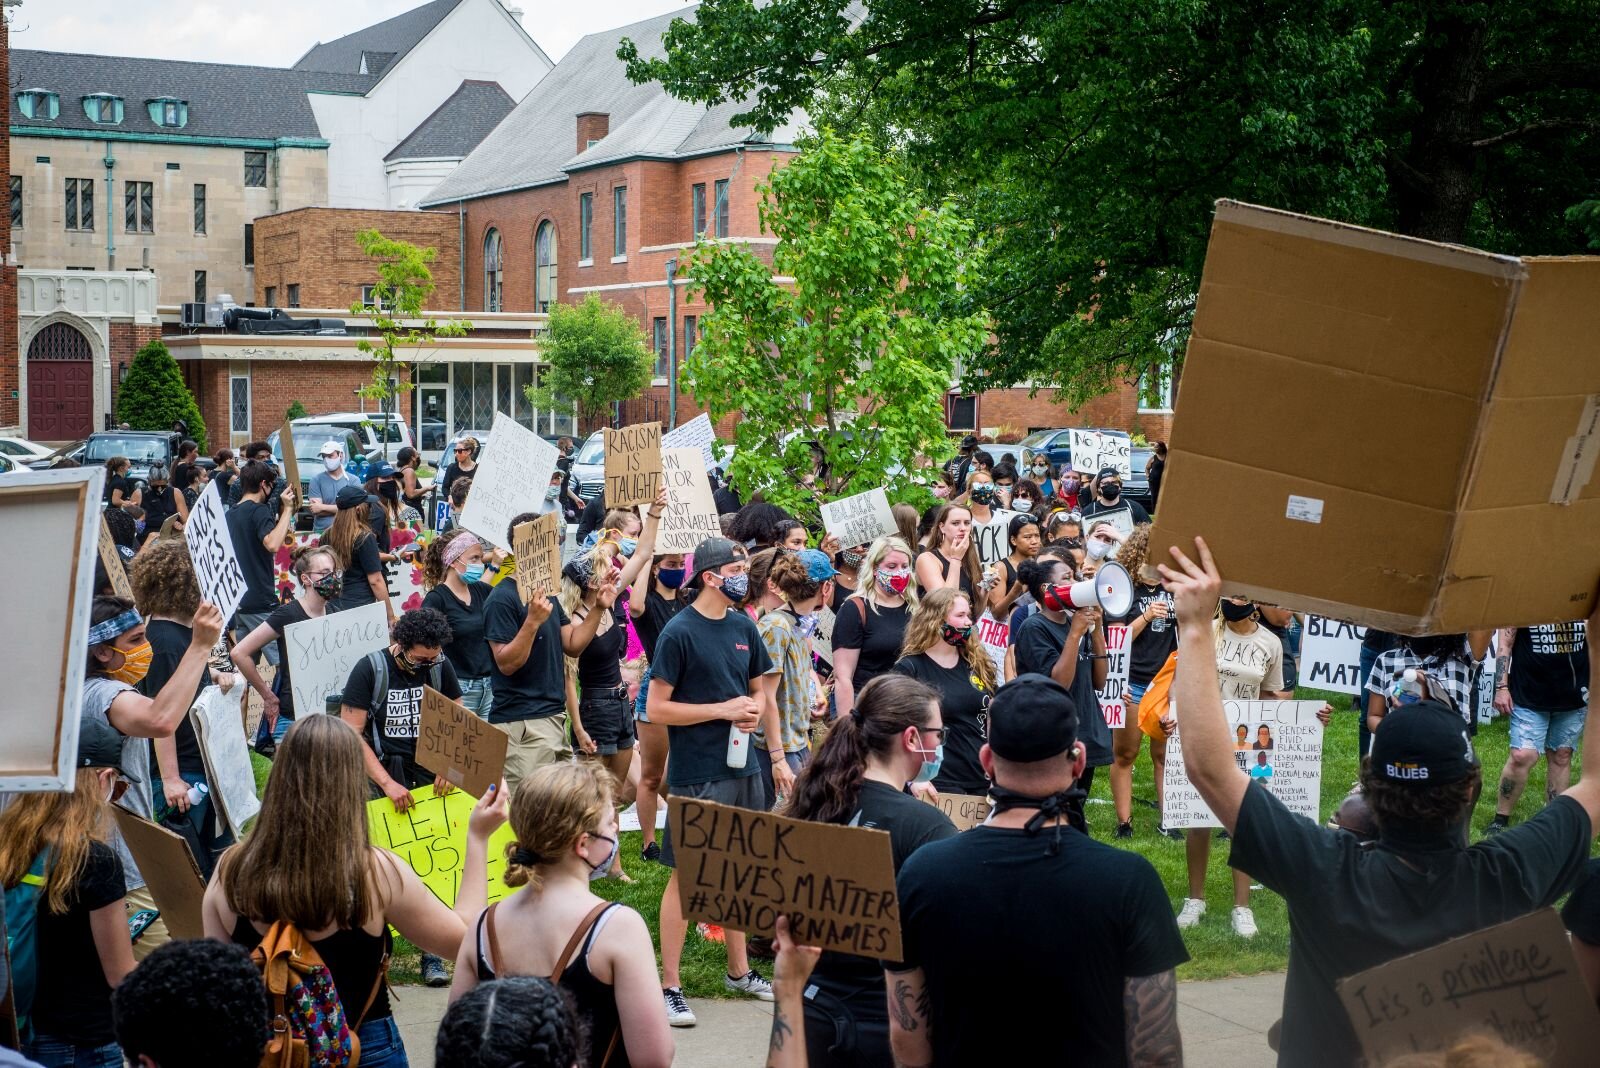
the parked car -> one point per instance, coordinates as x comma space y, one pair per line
448, 453
69, 454
369, 429
9, 466
143, 448
1056, 445
309, 438
589, 465
23, 451
432, 433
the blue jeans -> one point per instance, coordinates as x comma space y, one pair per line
381, 1046
54, 1053
639, 707
477, 695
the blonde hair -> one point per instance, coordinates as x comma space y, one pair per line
552, 808
923, 631
63, 823
1134, 552
1475, 1049
876, 552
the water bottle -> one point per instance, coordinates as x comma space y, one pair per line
1407, 689
198, 793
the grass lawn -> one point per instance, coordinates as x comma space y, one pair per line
1214, 950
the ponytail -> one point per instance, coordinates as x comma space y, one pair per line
828, 789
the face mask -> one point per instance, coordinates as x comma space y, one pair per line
851, 559
390, 490
628, 545
930, 767
138, 526
598, 871
1041, 469
1021, 503
983, 493
1070, 485
941, 491
1237, 613
671, 577
1099, 549
1055, 598
1110, 491
329, 587
954, 635
550, 494
135, 664
735, 587
893, 582
806, 625
331, 463
472, 572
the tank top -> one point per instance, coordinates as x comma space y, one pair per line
599, 664
353, 958
964, 583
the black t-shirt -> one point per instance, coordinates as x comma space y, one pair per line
72, 1001
364, 561
1157, 641
1063, 968
468, 650
877, 632
1039, 643
1581, 913
538, 689
649, 624
594, 513
168, 642
396, 716
1351, 909
1550, 667
279, 620
600, 663
1133, 508
248, 523
707, 661
119, 484
965, 709
452, 473
911, 824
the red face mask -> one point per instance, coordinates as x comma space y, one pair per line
1055, 598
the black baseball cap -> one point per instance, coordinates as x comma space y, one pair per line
1108, 472
713, 554
1032, 718
349, 497
100, 746
1425, 744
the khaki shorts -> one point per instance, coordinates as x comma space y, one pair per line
156, 934
534, 743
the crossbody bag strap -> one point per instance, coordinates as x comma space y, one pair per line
377, 985
575, 940
494, 940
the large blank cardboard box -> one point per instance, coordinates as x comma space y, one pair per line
1390, 431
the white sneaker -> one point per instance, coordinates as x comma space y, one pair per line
1244, 922
678, 1012
1193, 909
749, 983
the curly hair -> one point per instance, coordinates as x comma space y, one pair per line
521, 1022
124, 531
757, 524
1421, 809
434, 571
791, 578
163, 580
422, 626
458, 492
1134, 553
225, 1028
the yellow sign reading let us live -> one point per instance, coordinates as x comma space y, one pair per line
431, 838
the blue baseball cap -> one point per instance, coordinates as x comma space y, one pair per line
381, 469
818, 567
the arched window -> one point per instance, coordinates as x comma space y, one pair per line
491, 270
544, 266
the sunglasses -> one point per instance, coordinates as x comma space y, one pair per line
119, 788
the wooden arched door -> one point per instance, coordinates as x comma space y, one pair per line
60, 384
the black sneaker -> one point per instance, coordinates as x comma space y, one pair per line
1496, 825
1124, 830
652, 851
1170, 832
433, 973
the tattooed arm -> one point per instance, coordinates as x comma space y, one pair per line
791, 969
910, 1037
1150, 1018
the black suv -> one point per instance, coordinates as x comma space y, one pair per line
143, 448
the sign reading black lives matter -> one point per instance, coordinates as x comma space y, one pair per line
859, 520
211, 548
1278, 743
1330, 655
744, 869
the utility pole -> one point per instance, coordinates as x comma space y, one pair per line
672, 344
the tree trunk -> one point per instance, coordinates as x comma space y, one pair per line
1434, 181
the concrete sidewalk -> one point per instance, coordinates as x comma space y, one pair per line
1224, 1025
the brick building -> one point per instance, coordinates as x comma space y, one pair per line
310, 258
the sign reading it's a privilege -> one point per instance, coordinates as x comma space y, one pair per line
322, 651
691, 514
1279, 743
633, 465
456, 744
697, 433
211, 549
859, 520
513, 477
538, 553
744, 869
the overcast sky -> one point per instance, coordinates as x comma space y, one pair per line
274, 33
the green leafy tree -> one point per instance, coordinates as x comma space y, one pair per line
1088, 141
859, 351
405, 282
153, 396
595, 355
296, 411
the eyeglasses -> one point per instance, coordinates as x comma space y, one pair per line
463, 448
939, 731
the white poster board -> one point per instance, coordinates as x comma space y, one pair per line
1292, 769
1330, 655
1119, 519
50, 526
860, 519
512, 477
1094, 449
219, 727
1114, 695
697, 433
322, 652
691, 515
996, 637
994, 537
216, 566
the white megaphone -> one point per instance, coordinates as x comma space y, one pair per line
1111, 589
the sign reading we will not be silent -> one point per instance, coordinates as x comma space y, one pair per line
456, 744
744, 869
633, 465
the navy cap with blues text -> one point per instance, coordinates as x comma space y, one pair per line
1425, 744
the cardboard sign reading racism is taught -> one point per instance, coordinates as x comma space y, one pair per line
744, 869
859, 520
633, 465
211, 549
455, 743
538, 552
1517, 981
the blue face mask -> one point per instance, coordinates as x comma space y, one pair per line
138, 526
930, 768
735, 587
473, 573
671, 577
628, 545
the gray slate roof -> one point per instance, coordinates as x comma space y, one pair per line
391, 38
225, 100
458, 125
537, 143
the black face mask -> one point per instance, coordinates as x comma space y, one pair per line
1110, 491
1237, 613
390, 490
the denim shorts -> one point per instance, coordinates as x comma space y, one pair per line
381, 1045
640, 712
1545, 731
56, 1053
607, 720
477, 695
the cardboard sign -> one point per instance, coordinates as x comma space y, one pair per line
538, 553
1484, 355
111, 559
1517, 980
1330, 655
1119, 519
965, 810
219, 727
430, 838
633, 465
994, 537
291, 461
1094, 449
169, 869
1287, 733
211, 549
512, 477
50, 520
859, 520
170, 527
1114, 696
697, 433
691, 515
322, 652
455, 743
743, 869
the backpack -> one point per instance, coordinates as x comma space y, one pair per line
379, 659
23, 902
1157, 699
309, 1025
